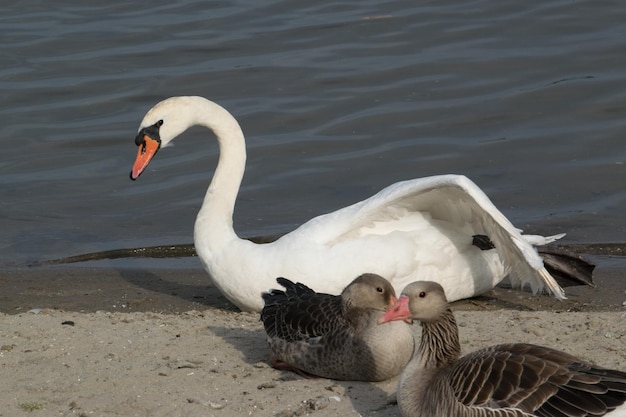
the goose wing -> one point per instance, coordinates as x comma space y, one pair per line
300, 314
537, 380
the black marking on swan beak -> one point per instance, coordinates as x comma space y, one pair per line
150, 131
148, 141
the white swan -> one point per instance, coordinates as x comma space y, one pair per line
421, 229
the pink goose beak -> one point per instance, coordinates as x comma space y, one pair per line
399, 311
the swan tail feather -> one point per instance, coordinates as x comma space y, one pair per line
566, 267
527, 268
538, 240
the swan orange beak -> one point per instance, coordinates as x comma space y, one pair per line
147, 149
399, 311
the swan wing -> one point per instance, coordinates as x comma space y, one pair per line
453, 200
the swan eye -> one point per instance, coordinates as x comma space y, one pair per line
422, 294
159, 123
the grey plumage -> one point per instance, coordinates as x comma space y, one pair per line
337, 337
504, 380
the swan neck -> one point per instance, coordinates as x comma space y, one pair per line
215, 219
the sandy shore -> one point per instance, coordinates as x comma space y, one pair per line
214, 362
85, 342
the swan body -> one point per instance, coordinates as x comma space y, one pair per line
420, 229
337, 336
508, 380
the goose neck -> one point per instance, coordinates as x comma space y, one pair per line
440, 346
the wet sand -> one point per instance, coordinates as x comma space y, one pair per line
90, 289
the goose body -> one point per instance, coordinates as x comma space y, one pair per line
337, 336
420, 229
508, 380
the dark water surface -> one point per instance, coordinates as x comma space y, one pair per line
337, 100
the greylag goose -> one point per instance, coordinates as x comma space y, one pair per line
441, 228
336, 336
508, 380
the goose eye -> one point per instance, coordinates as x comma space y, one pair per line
422, 294
379, 289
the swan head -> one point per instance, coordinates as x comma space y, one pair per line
164, 122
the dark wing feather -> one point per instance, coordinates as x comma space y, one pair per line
566, 267
538, 380
590, 389
299, 313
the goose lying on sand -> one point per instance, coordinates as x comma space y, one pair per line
508, 380
336, 336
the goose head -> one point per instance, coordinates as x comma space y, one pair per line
424, 301
164, 122
369, 292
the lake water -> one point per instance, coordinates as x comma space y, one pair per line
337, 100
